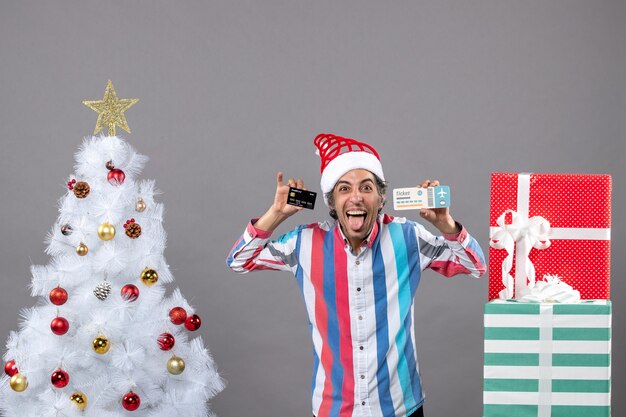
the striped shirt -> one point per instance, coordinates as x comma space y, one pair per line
360, 306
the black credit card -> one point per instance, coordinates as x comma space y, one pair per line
301, 198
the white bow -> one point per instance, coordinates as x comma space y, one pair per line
550, 290
527, 234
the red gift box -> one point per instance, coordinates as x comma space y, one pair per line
555, 224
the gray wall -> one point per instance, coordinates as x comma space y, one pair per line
232, 91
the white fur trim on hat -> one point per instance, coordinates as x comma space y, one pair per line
348, 161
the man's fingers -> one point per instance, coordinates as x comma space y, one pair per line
291, 182
429, 215
424, 184
429, 183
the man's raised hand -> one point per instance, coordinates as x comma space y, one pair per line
439, 217
282, 192
280, 210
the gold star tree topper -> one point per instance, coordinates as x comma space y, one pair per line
111, 110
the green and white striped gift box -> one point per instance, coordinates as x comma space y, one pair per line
547, 360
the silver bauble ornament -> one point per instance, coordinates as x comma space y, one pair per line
140, 205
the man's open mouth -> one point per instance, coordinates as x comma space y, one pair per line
356, 219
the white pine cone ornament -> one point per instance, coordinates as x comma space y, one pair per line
103, 290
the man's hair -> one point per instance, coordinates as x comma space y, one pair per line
380, 185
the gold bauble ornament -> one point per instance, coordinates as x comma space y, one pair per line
79, 399
149, 277
19, 382
101, 345
175, 365
82, 249
140, 205
106, 231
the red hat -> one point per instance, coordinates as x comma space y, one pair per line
340, 155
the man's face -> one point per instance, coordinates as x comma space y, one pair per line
357, 202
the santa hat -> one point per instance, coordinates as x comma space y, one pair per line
340, 155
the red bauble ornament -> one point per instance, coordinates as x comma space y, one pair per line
59, 326
60, 378
166, 341
130, 292
116, 177
193, 323
10, 368
58, 296
131, 401
178, 315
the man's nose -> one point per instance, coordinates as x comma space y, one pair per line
356, 196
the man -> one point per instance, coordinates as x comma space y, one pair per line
358, 275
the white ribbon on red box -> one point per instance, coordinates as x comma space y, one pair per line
549, 290
523, 234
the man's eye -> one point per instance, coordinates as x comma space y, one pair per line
366, 188
343, 189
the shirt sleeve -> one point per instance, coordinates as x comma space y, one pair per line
254, 251
450, 254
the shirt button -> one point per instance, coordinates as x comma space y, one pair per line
362, 402
360, 317
358, 263
362, 376
360, 347
358, 288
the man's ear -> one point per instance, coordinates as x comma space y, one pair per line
383, 200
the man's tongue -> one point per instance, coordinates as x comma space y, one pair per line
356, 222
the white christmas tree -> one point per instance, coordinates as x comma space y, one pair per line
104, 340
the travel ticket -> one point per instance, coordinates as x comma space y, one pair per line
418, 198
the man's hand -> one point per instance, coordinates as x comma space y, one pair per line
280, 210
440, 217
282, 191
